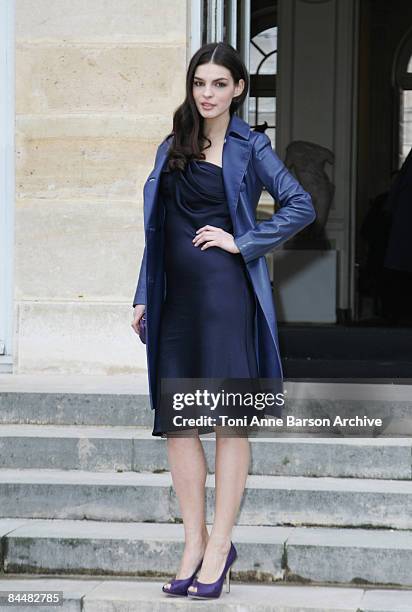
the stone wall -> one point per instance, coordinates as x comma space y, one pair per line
96, 86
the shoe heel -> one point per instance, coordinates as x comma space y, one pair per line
228, 581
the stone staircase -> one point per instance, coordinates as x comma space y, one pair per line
87, 507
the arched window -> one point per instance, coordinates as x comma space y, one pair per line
263, 69
403, 74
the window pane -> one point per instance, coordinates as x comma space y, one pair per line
409, 69
405, 125
265, 43
267, 112
263, 63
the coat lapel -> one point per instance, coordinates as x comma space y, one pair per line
236, 155
237, 150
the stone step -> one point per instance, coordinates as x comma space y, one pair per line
144, 496
310, 556
89, 594
102, 448
75, 409
117, 404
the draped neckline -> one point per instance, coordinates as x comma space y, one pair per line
205, 161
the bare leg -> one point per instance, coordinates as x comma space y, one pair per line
189, 469
231, 471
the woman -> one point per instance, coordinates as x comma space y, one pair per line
205, 283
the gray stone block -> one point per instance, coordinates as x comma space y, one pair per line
267, 500
265, 554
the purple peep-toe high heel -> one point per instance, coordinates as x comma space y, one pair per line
178, 586
212, 590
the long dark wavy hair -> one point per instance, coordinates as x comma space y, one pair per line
188, 136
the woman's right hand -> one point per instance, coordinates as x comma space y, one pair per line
137, 315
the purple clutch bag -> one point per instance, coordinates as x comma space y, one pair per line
142, 328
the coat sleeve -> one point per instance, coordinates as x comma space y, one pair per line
140, 293
296, 208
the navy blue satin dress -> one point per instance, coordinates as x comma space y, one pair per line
207, 323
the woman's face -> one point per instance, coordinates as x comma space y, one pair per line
214, 85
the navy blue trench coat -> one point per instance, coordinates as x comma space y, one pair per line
249, 163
